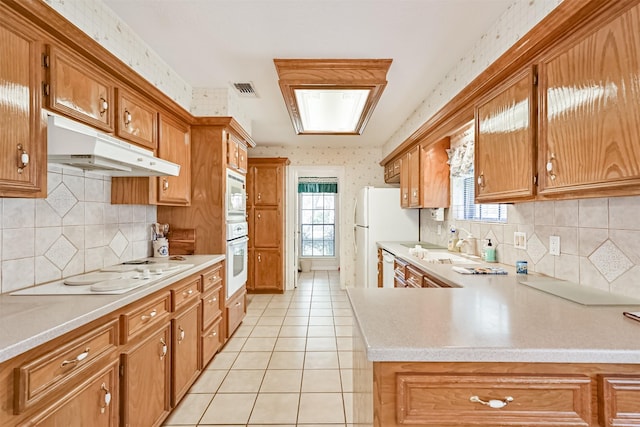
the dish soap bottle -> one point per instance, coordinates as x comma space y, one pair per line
489, 252
453, 240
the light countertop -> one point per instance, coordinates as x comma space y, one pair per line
28, 321
490, 318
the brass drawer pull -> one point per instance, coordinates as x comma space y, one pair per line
107, 398
493, 403
213, 334
78, 358
180, 335
149, 316
238, 304
187, 293
212, 300
127, 117
104, 106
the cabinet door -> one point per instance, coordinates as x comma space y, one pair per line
145, 382
79, 90
268, 270
505, 141
236, 309
404, 181
589, 97
267, 229
137, 120
242, 158
175, 146
267, 183
414, 177
250, 270
232, 152
435, 175
186, 352
94, 403
22, 128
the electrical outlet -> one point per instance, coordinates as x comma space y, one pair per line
520, 240
439, 229
554, 245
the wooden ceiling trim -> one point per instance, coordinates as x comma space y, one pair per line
563, 22
226, 121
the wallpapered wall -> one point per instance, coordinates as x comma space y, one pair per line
361, 169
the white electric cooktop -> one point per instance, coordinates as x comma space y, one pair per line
113, 280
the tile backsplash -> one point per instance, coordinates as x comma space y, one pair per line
599, 239
74, 230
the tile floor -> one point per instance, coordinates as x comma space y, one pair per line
288, 364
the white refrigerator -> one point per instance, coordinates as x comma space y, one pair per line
378, 218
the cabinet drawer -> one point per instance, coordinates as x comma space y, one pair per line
93, 403
211, 307
442, 400
211, 278
64, 365
619, 400
429, 281
211, 341
235, 311
413, 277
399, 268
185, 292
145, 314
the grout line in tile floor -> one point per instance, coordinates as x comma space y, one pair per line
289, 363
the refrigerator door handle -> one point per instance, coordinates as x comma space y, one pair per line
355, 243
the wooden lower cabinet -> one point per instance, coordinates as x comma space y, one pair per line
211, 341
505, 394
267, 273
236, 309
186, 352
146, 379
93, 403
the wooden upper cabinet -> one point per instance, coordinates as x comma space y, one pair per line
136, 120
404, 181
236, 154
175, 146
589, 114
79, 90
267, 184
414, 177
392, 171
23, 151
434, 191
505, 132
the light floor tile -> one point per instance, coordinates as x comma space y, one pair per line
234, 344
274, 312
346, 359
279, 304
320, 321
298, 312
321, 312
190, 409
321, 408
265, 331
342, 312
209, 381
321, 331
346, 375
259, 344
229, 409
343, 321
243, 331
344, 331
321, 344
321, 304
281, 381
348, 406
321, 380
287, 360
290, 344
293, 331
250, 320
295, 321
242, 381
270, 321
252, 360
277, 408
223, 360
345, 344
321, 360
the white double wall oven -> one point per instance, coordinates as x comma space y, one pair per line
237, 259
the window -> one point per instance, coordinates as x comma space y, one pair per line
466, 209
318, 224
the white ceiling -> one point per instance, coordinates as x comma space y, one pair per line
211, 43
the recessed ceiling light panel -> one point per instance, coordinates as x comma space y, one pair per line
331, 96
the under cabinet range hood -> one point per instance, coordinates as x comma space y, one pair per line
74, 144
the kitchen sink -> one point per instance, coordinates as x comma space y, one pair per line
447, 258
424, 245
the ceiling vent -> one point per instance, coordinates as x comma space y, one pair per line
245, 90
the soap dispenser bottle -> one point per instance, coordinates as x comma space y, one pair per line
489, 252
453, 240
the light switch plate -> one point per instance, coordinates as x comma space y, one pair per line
554, 245
520, 240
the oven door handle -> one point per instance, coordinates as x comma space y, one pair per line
237, 242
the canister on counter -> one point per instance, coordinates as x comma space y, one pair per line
521, 267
